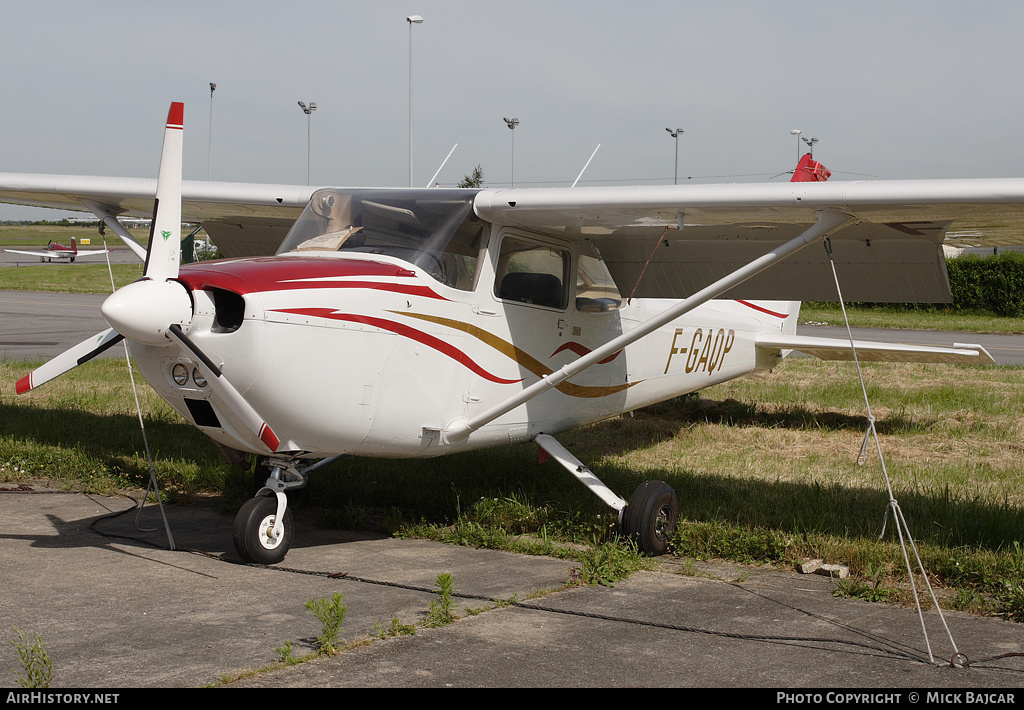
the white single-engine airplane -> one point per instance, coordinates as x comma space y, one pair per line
421, 322
54, 250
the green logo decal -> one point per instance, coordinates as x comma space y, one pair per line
166, 235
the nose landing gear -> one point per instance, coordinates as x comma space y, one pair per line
264, 528
258, 537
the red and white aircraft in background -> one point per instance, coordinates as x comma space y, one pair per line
52, 251
421, 322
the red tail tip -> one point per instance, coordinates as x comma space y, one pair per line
810, 170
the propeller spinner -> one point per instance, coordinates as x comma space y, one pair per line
157, 309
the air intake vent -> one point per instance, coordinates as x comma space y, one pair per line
229, 310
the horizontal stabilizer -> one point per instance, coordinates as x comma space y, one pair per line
868, 351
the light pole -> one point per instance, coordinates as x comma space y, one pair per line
675, 134
796, 132
308, 110
810, 144
512, 123
209, 144
412, 20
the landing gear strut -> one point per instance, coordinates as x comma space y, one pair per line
650, 517
263, 527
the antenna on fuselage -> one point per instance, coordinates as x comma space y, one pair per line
442, 165
587, 165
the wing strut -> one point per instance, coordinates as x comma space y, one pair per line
828, 223
109, 218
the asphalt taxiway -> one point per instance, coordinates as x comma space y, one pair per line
116, 608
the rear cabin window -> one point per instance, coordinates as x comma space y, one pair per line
595, 290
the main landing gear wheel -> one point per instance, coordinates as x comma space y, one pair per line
254, 531
651, 516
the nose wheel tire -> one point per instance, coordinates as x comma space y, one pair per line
254, 535
651, 516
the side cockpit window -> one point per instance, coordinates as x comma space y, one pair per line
532, 273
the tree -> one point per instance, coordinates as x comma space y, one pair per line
474, 179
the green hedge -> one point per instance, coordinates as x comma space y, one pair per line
988, 284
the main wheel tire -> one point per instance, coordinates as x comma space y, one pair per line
650, 517
252, 529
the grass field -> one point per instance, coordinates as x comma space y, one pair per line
765, 469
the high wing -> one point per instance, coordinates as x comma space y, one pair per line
669, 242
658, 242
242, 219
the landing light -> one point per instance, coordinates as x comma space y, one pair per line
198, 378
179, 373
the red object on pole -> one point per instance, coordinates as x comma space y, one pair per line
810, 170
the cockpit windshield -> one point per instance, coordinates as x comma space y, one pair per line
435, 229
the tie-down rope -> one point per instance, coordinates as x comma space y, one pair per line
152, 485
902, 529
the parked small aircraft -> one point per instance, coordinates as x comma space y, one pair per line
421, 322
53, 250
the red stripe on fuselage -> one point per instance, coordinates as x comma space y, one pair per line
582, 350
763, 310
405, 331
296, 273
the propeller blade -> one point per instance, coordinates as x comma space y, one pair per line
143, 310
69, 359
165, 232
227, 392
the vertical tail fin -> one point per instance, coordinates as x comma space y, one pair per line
74, 247
810, 170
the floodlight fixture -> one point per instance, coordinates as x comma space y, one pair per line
308, 110
512, 123
675, 134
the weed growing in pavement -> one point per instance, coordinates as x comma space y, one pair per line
37, 671
330, 611
441, 610
397, 628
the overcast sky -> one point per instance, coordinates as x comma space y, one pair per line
917, 89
